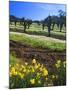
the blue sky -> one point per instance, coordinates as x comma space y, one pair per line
34, 11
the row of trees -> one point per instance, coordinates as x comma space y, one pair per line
50, 21
25, 22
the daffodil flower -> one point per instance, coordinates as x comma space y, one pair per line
32, 81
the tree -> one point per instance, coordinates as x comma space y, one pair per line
62, 17
23, 21
43, 24
47, 22
49, 25
54, 20
29, 22
13, 19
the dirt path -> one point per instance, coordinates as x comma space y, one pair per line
40, 37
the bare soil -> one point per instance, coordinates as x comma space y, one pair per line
44, 56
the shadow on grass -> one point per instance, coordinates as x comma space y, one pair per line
42, 33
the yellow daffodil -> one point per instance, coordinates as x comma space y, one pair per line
57, 65
24, 70
45, 72
13, 70
32, 81
53, 76
34, 61
59, 61
26, 63
17, 64
46, 78
36, 66
40, 69
39, 81
22, 66
22, 76
33, 70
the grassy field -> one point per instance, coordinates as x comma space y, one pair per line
38, 43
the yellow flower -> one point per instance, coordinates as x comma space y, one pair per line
40, 69
22, 66
20, 74
26, 63
13, 70
38, 64
59, 61
32, 81
15, 73
34, 61
33, 70
39, 81
46, 78
53, 76
57, 65
17, 64
45, 72
24, 70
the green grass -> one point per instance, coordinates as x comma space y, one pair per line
12, 59
38, 43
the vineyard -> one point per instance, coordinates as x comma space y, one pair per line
37, 52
